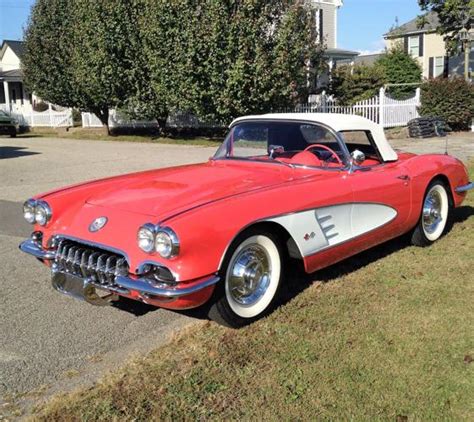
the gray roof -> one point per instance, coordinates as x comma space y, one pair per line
368, 59
412, 27
11, 75
18, 47
340, 53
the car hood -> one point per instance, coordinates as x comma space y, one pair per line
167, 192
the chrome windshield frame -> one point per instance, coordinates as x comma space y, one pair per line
345, 152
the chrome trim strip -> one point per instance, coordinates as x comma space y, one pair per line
145, 287
465, 188
29, 246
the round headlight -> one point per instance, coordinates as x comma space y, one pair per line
146, 238
42, 213
166, 243
29, 211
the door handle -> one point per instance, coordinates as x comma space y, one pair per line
403, 177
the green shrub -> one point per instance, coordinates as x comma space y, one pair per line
352, 84
450, 99
400, 68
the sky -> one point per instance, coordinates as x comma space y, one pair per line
361, 23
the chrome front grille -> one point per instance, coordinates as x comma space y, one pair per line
88, 262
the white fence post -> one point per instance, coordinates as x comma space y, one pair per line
50, 115
381, 106
418, 97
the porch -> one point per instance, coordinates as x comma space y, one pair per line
13, 95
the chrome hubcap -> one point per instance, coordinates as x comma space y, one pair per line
250, 275
432, 212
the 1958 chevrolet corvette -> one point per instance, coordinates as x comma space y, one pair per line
316, 187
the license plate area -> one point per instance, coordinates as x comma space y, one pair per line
79, 288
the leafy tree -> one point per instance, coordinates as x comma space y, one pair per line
453, 16
224, 59
104, 54
47, 62
352, 84
451, 99
400, 68
218, 59
84, 54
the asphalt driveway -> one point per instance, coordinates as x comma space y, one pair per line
49, 339
45, 337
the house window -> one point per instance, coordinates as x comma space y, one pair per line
414, 46
438, 69
319, 22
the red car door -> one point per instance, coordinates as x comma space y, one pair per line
389, 186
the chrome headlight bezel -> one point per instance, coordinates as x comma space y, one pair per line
43, 213
168, 236
37, 212
165, 240
146, 232
29, 211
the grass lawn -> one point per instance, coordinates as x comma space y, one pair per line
385, 335
100, 135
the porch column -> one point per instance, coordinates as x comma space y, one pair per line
7, 95
23, 94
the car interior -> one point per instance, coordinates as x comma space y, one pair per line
300, 144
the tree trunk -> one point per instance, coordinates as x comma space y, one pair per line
162, 124
103, 116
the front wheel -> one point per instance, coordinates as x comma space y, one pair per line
434, 215
252, 278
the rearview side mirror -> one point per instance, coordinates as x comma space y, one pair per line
358, 157
275, 149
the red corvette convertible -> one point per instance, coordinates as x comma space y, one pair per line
316, 187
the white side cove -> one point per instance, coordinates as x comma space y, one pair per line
321, 228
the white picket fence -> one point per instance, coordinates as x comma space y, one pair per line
26, 116
381, 109
117, 120
175, 120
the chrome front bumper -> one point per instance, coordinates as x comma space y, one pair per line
31, 247
464, 188
145, 288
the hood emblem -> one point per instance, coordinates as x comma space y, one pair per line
98, 224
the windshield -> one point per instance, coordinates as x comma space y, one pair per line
292, 143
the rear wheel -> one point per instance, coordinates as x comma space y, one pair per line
434, 215
251, 280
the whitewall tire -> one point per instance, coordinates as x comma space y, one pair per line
434, 215
251, 280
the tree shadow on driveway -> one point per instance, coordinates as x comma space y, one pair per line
15, 152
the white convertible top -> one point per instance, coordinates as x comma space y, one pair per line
338, 122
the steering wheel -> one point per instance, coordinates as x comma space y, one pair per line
327, 149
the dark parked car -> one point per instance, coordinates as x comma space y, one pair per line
8, 125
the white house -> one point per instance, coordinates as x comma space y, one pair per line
327, 27
13, 94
